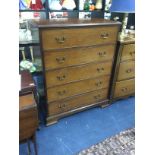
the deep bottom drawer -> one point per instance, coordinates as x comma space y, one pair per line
124, 88
25, 134
78, 101
28, 123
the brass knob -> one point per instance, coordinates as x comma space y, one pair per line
102, 54
104, 35
97, 96
98, 83
124, 89
132, 53
61, 92
100, 69
128, 70
62, 106
60, 39
61, 59
60, 78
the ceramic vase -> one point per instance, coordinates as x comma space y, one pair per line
98, 4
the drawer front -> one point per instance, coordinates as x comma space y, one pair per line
28, 123
74, 37
124, 88
24, 114
71, 89
25, 134
26, 100
70, 74
76, 102
128, 52
76, 56
126, 70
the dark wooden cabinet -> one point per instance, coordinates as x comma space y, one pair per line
77, 60
28, 120
28, 114
123, 84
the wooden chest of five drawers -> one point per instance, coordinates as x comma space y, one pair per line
77, 60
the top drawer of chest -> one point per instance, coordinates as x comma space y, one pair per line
128, 52
56, 38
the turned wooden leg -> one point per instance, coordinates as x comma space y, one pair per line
35, 144
29, 148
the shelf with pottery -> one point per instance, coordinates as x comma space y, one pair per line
29, 10
73, 7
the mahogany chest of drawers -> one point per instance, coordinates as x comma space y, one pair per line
77, 60
124, 70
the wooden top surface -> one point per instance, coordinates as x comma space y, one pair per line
71, 22
27, 83
128, 40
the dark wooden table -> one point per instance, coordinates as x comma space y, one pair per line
28, 115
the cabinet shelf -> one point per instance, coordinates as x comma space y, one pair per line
91, 11
32, 10
63, 10
29, 43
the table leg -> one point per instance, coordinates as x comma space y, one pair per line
35, 144
29, 148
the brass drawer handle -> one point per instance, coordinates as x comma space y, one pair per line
129, 70
102, 54
104, 35
62, 106
98, 83
97, 96
100, 69
132, 53
61, 92
61, 60
60, 39
124, 89
61, 78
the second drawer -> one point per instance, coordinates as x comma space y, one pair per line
76, 102
71, 74
67, 90
76, 56
126, 70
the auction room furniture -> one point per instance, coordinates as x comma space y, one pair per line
28, 116
77, 60
123, 84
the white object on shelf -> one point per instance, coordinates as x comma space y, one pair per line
81, 4
98, 4
69, 4
84, 15
55, 5
33, 1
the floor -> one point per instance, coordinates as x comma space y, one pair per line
77, 132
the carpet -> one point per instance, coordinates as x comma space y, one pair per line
120, 144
